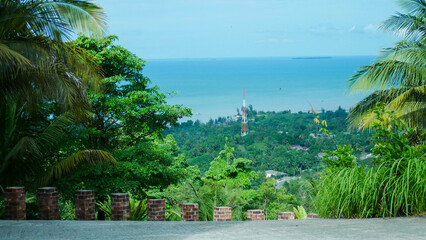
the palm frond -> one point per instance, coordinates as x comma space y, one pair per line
55, 131
60, 72
406, 103
9, 55
406, 26
386, 74
80, 15
71, 163
138, 209
415, 95
33, 32
414, 7
404, 51
90, 157
409, 25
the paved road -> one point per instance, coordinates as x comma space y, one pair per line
388, 228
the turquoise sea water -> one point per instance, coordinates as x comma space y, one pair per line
213, 87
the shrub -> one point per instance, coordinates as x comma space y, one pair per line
299, 212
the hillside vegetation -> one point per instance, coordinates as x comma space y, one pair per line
282, 141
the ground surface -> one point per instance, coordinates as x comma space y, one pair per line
387, 228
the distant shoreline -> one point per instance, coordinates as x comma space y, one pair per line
303, 58
254, 57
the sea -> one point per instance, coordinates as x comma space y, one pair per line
213, 87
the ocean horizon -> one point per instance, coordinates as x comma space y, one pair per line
213, 87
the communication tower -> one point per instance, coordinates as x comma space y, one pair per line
244, 128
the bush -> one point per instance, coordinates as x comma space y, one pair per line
300, 212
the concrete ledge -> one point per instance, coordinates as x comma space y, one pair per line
387, 228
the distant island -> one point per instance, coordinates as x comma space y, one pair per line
299, 58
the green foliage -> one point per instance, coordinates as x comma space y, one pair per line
126, 110
137, 208
299, 212
269, 141
395, 190
28, 149
105, 207
147, 165
304, 191
395, 187
273, 200
66, 209
43, 80
396, 140
397, 79
228, 182
37, 63
340, 158
127, 119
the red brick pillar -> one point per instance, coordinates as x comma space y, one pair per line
255, 215
189, 212
156, 210
48, 205
14, 203
313, 215
222, 214
285, 215
84, 205
120, 206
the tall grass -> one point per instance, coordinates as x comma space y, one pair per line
394, 188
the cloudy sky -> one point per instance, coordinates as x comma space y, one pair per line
157, 29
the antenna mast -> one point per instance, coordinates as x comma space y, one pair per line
244, 128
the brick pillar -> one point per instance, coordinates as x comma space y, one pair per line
14, 203
255, 215
285, 215
84, 205
222, 214
313, 215
156, 210
189, 212
48, 206
120, 206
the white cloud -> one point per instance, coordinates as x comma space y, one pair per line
370, 28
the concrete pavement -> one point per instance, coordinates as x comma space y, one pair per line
378, 228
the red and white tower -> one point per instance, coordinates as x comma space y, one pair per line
244, 128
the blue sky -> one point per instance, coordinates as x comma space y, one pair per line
158, 29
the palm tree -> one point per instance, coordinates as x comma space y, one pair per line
36, 60
38, 65
26, 149
397, 78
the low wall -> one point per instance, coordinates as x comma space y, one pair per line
48, 205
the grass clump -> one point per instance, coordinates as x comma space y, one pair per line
394, 186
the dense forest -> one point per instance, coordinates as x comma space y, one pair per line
282, 141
